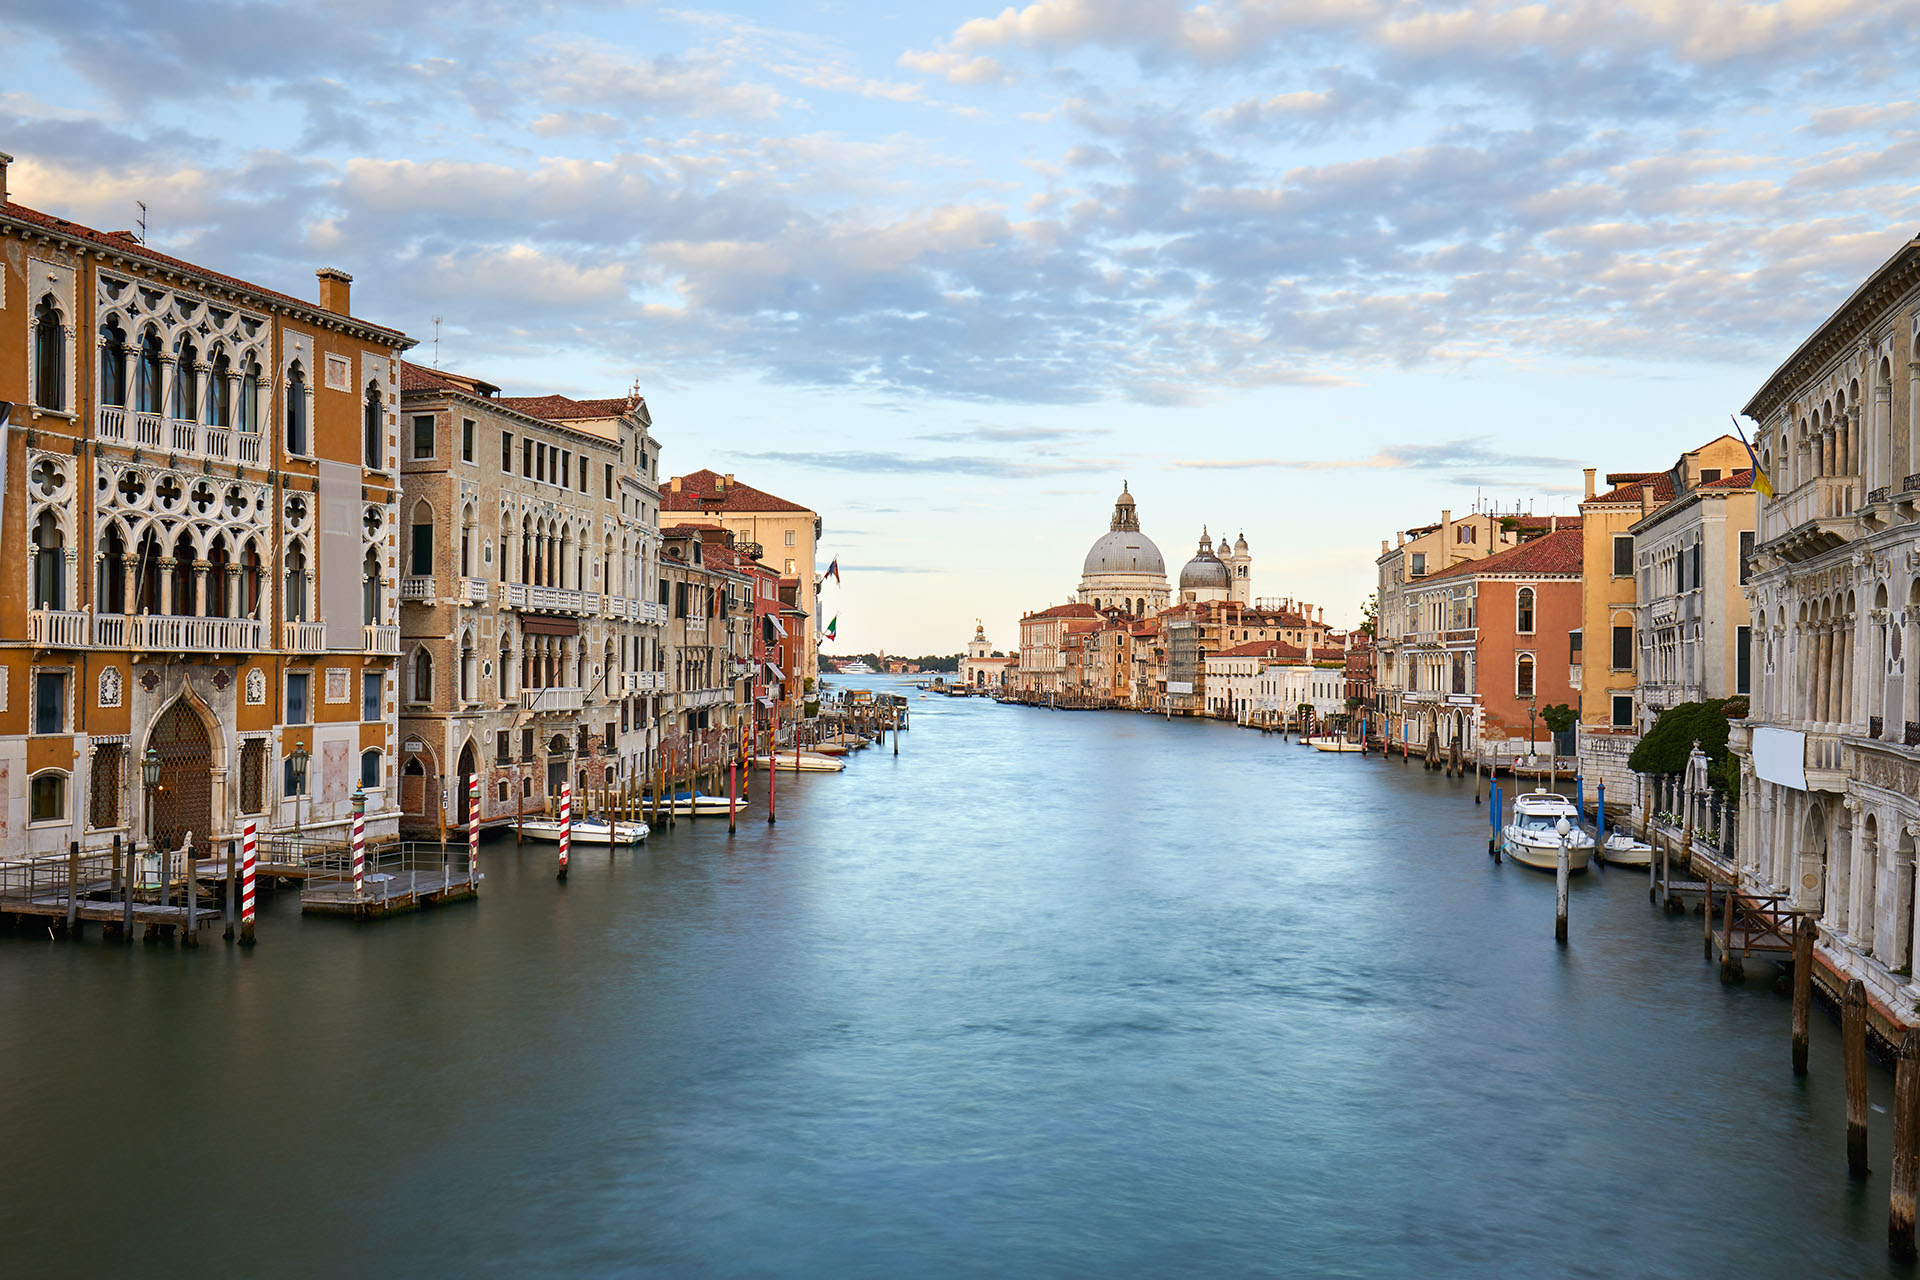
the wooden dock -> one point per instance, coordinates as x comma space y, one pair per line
64, 892
400, 877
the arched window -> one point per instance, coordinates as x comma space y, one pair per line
113, 364
295, 603
146, 391
422, 676
296, 409
370, 589
220, 392
186, 383
469, 670
1523, 676
507, 670
250, 396
1523, 612
420, 559
49, 564
49, 356
111, 594
47, 797
373, 441
370, 768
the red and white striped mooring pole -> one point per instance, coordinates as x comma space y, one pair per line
249, 848
473, 828
359, 841
566, 825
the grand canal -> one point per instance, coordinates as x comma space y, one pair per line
1047, 994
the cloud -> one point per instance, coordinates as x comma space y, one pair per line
882, 462
1451, 456
1014, 435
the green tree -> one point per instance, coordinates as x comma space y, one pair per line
1667, 745
1370, 615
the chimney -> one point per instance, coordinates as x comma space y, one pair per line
674, 484
1553, 524
729, 482
336, 291
5, 160
1383, 546
1588, 472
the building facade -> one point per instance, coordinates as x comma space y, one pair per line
1124, 569
1695, 632
786, 534
1830, 773
201, 475
530, 637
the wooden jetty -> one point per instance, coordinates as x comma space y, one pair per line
112, 889
398, 877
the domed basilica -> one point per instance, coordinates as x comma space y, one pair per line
1125, 571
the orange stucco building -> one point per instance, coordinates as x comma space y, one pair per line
198, 528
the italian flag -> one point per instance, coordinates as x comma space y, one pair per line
833, 625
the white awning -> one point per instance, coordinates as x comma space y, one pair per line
774, 671
780, 630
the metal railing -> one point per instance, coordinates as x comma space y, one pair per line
396, 869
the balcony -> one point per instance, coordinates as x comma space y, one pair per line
115, 424
524, 595
57, 628
1826, 762
557, 700
474, 590
166, 633
705, 698
303, 637
381, 638
1663, 611
416, 590
1811, 518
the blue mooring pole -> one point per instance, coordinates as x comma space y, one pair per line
1600, 814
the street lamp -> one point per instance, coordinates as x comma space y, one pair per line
298, 762
150, 774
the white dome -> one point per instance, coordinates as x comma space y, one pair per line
1124, 551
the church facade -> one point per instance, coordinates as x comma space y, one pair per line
1123, 569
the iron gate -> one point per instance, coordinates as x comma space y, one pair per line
184, 800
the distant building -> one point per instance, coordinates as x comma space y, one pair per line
785, 534
1123, 569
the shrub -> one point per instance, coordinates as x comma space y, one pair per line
1670, 741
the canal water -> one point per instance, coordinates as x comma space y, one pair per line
1050, 994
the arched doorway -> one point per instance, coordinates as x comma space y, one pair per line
468, 767
183, 802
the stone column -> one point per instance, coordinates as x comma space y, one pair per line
1913, 423
1880, 448
167, 566
236, 604
200, 568
1850, 441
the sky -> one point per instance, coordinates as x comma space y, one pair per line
1311, 270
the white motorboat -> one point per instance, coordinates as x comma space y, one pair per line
804, 761
1333, 744
586, 831
1532, 836
1622, 850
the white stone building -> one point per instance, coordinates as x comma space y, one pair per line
1830, 784
1123, 569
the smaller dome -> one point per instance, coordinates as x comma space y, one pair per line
1240, 544
1205, 571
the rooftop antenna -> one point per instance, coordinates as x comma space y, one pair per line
436, 342
142, 223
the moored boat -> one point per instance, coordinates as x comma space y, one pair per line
1622, 850
1333, 744
1532, 835
586, 831
804, 761
684, 801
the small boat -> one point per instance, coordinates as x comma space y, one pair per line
586, 831
830, 749
805, 761
1532, 837
1333, 744
1622, 850
684, 801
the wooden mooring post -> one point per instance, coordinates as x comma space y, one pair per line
1853, 1048
1906, 1148
1732, 968
231, 859
1562, 874
1803, 934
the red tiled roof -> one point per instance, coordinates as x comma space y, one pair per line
1262, 649
566, 409
1066, 611
1558, 553
706, 490
1741, 479
1660, 484
124, 242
